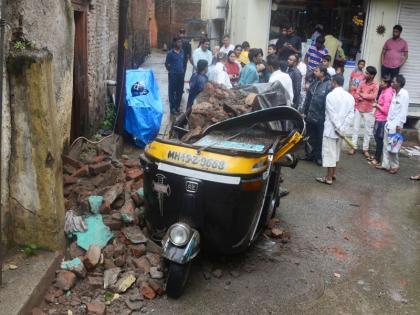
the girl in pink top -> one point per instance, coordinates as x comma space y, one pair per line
381, 114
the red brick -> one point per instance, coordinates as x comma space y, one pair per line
68, 169
92, 257
72, 162
99, 168
276, 233
81, 172
52, 294
96, 159
142, 264
156, 286
114, 225
95, 282
131, 163
96, 308
137, 250
134, 174
147, 291
69, 180
65, 280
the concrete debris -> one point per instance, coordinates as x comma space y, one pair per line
155, 273
75, 265
111, 277
125, 282
73, 223
142, 264
134, 234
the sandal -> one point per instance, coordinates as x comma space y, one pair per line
374, 163
394, 170
323, 180
351, 152
380, 167
366, 155
416, 177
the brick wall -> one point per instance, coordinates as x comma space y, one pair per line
102, 56
172, 15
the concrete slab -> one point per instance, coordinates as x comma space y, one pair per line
23, 287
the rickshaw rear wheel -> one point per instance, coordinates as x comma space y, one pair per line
177, 279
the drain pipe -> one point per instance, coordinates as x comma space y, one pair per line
2, 28
120, 95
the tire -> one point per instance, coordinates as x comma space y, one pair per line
177, 279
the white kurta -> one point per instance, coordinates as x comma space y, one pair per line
219, 75
285, 80
339, 112
398, 111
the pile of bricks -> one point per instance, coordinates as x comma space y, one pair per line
122, 276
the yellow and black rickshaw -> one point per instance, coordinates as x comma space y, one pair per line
220, 191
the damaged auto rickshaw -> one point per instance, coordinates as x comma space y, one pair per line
220, 191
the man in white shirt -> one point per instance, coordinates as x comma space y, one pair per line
339, 113
397, 116
278, 69
227, 46
218, 73
202, 53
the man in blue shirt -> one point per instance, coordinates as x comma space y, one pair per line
198, 81
249, 74
175, 65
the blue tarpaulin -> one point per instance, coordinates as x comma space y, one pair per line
144, 108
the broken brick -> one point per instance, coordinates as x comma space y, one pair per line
154, 259
134, 174
120, 261
81, 172
52, 294
72, 162
68, 169
142, 264
114, 225
131, 163
95, 282
69, 180
110, 196
137, 250
96, 159
96, 308
156, 286
96, 169
119, 249
147, 291
92, 257
65, 280
109, 263
276, 233
272, 223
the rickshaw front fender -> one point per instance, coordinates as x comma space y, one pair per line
181, 254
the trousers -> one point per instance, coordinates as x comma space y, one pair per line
389, 160
368, 121
175, 90
315, 133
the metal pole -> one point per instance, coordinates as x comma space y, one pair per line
122, 37
2, 27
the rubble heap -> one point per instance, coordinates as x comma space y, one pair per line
111, 265
217, 103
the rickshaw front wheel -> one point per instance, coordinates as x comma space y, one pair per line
177, 279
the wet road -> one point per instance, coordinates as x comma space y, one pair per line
365, 229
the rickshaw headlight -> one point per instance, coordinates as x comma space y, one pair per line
179, 234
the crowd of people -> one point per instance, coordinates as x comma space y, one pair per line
315, 86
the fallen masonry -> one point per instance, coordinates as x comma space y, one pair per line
111, 270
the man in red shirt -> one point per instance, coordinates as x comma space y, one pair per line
394, 54
364, 97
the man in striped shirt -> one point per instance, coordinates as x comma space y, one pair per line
316, 53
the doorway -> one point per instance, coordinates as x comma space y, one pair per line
80, 104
